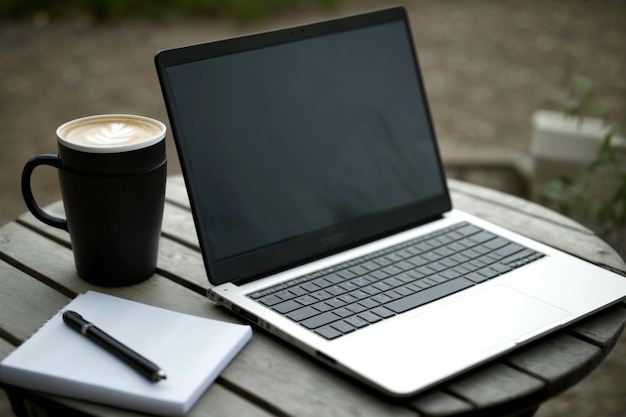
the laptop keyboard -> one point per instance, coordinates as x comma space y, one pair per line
363, 291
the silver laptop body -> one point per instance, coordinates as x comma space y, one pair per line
309, 148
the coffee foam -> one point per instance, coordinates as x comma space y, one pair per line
111, 133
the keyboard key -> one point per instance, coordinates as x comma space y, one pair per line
476, 277
360, 281
417, 260
450, 274
382, 286
348, 286
370, 266
418, 285
381, 261
438, 278
482, 237
343, 326
508, 250
369, 303
298, 291
320, 320
393, 257
405, 266
371, 290
468, 229
322, 282
378, 274
369, 317
357, 322
347, 298
343, 312
393, 282
270, 300
358, 270
431, 256
321, 295
438, 266
303, 313
334, 278
444, 251
381, 298
335, 290
309, 286
287, 306
428, 295
383, 312
328, 332
405, 278
488, 272
336, 303
392, 294
359, 295
392, 270
285, 295
305, 300
258, 294
428, 281
356, 308
404, 291
322, 307
502, 269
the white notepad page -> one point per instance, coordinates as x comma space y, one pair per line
191, 350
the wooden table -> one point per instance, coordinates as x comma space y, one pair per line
271, 378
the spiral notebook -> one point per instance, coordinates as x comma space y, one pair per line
192, 350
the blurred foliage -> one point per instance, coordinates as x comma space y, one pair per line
598, 196
580, 98
112, 9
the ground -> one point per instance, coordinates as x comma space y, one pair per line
486, 65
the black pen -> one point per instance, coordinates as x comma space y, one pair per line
148, 369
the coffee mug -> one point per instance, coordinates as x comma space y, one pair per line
112, 172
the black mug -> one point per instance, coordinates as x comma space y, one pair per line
112, 172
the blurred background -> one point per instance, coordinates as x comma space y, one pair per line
487, 66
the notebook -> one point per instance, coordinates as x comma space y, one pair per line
323, 214
191, 350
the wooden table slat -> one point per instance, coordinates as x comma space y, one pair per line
178, 225
558, 359
604, 328
58, 235
182, 264
26, 303
494, 198
497, 385
176, 192
218, 399
437, 403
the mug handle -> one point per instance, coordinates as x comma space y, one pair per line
29, 199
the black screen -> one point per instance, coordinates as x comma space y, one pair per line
303, 136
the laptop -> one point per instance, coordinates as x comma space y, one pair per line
323, 215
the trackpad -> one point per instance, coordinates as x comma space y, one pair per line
487, 320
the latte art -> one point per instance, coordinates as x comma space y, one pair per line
111, 133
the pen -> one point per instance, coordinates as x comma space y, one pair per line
145, 367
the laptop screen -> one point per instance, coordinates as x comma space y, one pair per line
307, 138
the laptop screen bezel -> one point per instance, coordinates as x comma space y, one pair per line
282, 255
